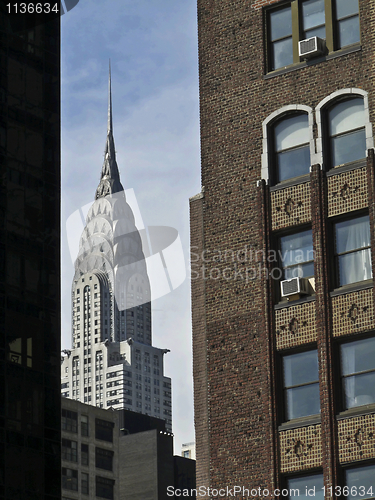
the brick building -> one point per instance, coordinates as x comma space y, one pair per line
284, 384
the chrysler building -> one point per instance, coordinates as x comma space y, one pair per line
112, 363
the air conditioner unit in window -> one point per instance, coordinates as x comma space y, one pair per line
311, 47
295, 286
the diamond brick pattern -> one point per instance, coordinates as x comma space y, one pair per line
291, 206
295, 325
347, 192
356, 438
300, 448
352, 313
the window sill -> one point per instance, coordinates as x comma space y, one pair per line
347, 167
282, 305
312, 62
354, 287
357, 411
294, 181
300, 422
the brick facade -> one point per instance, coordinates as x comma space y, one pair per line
238, 334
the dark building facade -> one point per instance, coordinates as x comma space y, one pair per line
283, 247
30, 453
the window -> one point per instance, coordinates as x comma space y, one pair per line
297, 255
352, 251
104, 487
69, 479
360, 481
346, 128
347, 22
301, 384
69, 420
69, 450
358, 372
280, 34
313, 18
291, 147
103, 459
84, 454
84, 483
104, 430
306, 487
336, 21
84, 425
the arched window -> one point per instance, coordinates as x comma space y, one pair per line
346, 130
291, 147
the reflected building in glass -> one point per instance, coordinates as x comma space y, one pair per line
30, 401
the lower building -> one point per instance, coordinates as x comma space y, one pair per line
119, 454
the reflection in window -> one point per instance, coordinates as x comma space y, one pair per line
291, 147
352, 250
297, 255
360, 481
313, 18
347, 131
299, 486
69, 450
358, 372
281, 38
347, 18
301, 384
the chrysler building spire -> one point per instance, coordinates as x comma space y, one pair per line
110, 177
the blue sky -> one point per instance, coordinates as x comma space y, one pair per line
154, 57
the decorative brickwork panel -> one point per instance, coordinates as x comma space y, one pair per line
300, 448
352, 313
356, 438
295, 325
291, 206
347, 192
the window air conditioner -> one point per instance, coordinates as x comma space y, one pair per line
295, 286
311, 47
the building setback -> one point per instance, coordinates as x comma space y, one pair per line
112, 362
284, 379
30, 401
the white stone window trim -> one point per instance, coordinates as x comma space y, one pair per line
329, 101
277, 115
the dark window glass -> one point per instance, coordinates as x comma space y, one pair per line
352, 250
302, 485
297, 255
281, 37
69, 479
104, 487
103, 459
69, 450
84, 483
301, 384
104, 430
291, 147
360, 481
84, 425
84, 454
347, 18
358, 372
69, 420
313, 18
347, 131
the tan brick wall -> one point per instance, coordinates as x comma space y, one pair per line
295, 325
300, 448
291, 206
347, 192
352, 313
357, 438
